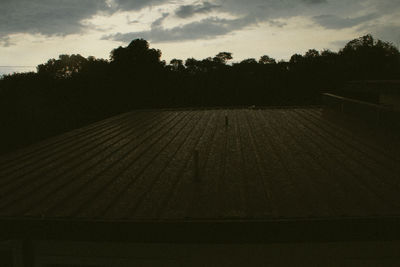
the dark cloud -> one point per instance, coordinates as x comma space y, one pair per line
252, 12
314, 1
204, 29
56, 17
387, 6
47, 17
135, 4
248, 13
187, 11
336, 22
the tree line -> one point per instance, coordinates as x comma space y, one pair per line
72, 91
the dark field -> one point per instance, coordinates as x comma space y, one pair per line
265, 164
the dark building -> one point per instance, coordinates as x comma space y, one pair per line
213, 187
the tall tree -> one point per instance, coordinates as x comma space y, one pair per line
223, 57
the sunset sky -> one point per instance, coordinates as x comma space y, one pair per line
33, 31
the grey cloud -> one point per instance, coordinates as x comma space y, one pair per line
63, 17
56, 17
314, 1
135, 4
204, 29
187, 11
249, 13
386, 32
47, 17
273, 9
158, 22
336, 22
387, 6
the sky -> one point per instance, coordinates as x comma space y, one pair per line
33, 31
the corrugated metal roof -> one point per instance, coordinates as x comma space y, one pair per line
265, 164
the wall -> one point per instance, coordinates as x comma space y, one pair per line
68, 254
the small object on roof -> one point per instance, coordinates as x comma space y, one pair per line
196, 165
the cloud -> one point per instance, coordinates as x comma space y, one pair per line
64, 17
248, 13
6, 41
336, 22
158, 22
205, 29
47, 17
128, 5
386, 32
314, 1
387, 6
277, 23
187, 11
57, 17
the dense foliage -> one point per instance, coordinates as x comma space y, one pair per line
72, 90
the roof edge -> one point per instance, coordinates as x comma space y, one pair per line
206, 231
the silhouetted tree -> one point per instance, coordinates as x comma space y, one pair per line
266, 60
137, 55
176, 65
63, 67
296, 59
223, 57
311, 53
248, 61
367, 58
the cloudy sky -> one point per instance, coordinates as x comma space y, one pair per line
32, 31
